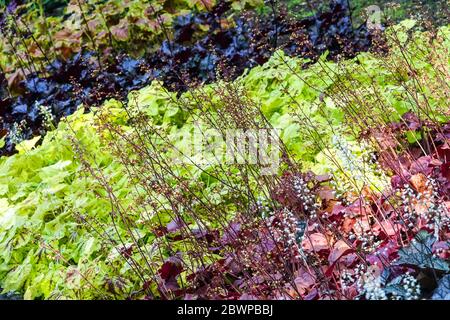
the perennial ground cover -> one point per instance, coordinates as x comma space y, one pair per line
199, 47
111, 202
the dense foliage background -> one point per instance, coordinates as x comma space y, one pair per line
98, 100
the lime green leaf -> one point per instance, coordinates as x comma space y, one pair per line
27, 145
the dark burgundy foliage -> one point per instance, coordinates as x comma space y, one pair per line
192, 57
71, 83
169, 272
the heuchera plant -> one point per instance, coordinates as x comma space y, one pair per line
79, 219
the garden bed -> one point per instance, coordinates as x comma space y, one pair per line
114, 199
191, 58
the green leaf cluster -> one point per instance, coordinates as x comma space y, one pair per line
55, 214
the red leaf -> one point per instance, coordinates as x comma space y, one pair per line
340, 249
421, 165
304, 280
171, 268
315, 242
323, 177
120, 33
361, 226
389, 228
385, 253
326, 193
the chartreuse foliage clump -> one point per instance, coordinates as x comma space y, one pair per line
51, 193
43, 190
